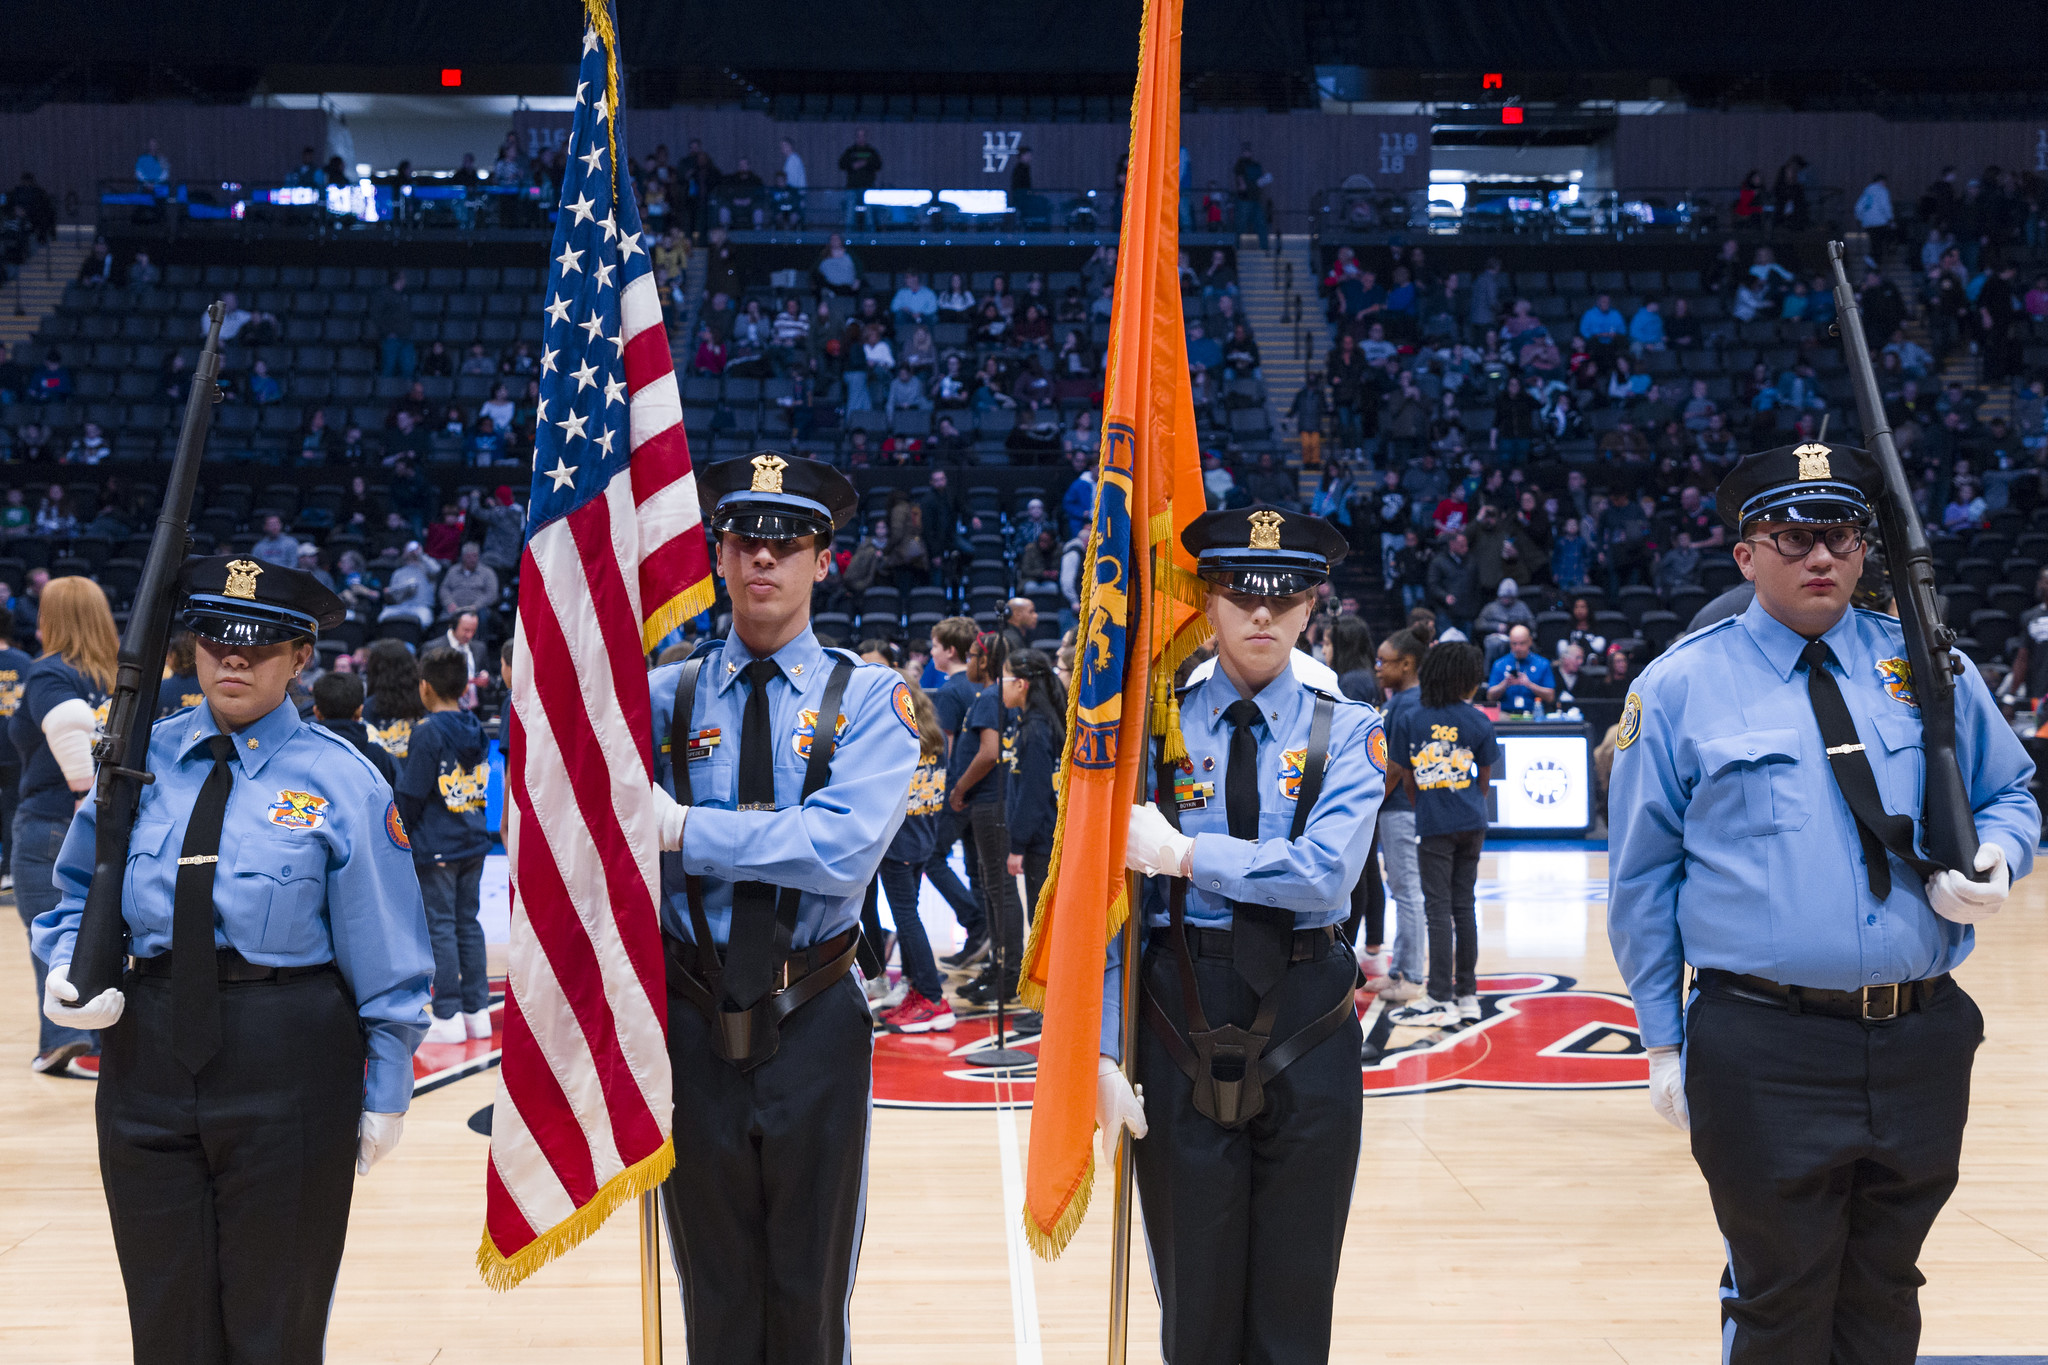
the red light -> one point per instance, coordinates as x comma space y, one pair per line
1490, 81
451, 75
1511, 113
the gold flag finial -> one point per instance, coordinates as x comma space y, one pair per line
1266, 530
242, 579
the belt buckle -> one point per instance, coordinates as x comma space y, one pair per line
1890, 1013
782, 974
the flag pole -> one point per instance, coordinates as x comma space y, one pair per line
1120, 1217
650, 1279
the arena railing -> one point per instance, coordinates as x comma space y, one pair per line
443, 208
1550, 211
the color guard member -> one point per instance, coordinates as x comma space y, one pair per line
1248, 1051
280, 946
1821, 1059
779, 822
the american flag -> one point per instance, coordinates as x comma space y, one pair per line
615, 559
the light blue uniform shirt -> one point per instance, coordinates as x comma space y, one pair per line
1313, 875
827, 847
313, 868
1730, 843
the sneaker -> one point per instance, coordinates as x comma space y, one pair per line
984, 990
1424, 1013
919, 1015
6, 881
86, 1068
1468, 1008
58, 1059
449, 1030
893, 997
875, 987
477, 1023
1375, 965
971, 953
1395, 990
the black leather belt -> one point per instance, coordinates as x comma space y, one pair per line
1871, 1004
799, 964
234, 968
1309, 944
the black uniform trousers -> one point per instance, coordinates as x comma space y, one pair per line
1245, 1225
769, 1194
1828, 1145
229, 1191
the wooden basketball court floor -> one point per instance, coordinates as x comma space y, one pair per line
1489, 1224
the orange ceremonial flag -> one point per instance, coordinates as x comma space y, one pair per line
1139, 620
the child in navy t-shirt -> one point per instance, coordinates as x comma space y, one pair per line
1443, 748
440, 795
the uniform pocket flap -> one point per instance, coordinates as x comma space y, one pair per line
1901, 732
1750, 746
149, 835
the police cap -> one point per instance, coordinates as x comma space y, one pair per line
1262, 550
771, 496
1803, 483
232, 600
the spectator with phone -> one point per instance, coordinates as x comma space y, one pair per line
1521, 677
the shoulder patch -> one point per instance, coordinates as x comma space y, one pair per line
1376, 747
1631, 722
905, 712
394, 828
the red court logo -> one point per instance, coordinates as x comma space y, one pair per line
1535, 1032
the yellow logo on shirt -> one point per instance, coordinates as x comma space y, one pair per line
806, 726
11, 687
1897, 677
927, 789
298, 810
462, 790
394, 739
1443, 766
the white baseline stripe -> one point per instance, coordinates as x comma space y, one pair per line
1023, 1291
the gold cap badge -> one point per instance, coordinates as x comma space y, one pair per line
768, 469
1266, 530
1813, 462
242, 579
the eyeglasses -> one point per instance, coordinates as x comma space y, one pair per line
1797, 542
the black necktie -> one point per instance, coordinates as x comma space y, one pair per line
195, 973
1262, 938
750, 943
1876, 828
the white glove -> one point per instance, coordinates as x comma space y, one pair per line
1955, 897
1667, 1088
1117, 1105
60, 1002
670, 814
1154, 847
376, 1135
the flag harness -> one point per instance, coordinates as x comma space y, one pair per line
748, 1037
1231, 1066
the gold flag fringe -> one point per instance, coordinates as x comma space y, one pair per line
503, 1272
691, 601
1048, 1243
599, 13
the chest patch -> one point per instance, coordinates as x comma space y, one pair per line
1897, 677
1292, 761
806, 726
298, 810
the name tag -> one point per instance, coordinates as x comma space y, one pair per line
700, 744
1193, 795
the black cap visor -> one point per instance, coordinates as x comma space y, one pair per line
1262, 581
1807, 504
247, 625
